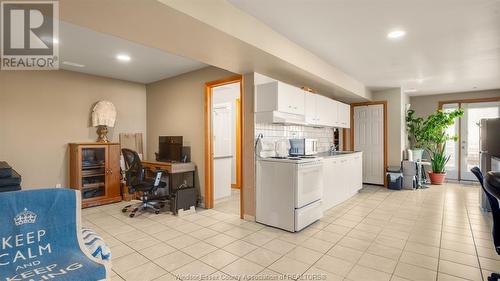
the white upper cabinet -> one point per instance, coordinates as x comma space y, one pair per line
321, 111
326, 111
278, 102
310, 109
278, 96
344, 115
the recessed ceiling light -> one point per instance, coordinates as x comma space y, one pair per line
412, 90
123, 57
396, 34
73, 64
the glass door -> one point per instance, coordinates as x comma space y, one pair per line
473, 112
93, 172
452, 147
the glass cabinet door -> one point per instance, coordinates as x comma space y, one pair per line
93, 172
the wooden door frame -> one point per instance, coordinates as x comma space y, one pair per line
459, 102
209, 159
384, 103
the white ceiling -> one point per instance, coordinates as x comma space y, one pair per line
450, 45
97, 52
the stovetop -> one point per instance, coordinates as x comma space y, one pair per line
293, 159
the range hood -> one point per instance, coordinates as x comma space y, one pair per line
277, 117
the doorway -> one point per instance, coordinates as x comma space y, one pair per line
223, 165
464, 154
369, 135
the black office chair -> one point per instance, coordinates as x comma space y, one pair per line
137, 181
492, 189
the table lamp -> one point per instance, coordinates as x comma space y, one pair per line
103, 116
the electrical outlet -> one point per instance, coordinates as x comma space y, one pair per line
58, 185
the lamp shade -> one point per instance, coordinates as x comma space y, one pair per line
104, 114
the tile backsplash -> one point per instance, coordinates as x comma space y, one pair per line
279, 131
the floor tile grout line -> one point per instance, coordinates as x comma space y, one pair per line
473, 239
441, 235
324, 254
353, 207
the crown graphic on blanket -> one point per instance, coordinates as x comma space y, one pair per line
25, 217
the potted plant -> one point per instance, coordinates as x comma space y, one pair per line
438, 164
414, 128
434, 136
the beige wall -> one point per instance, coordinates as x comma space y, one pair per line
395, 124
426, 105
175, 106
42, 111
248, 148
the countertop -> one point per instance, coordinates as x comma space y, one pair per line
336, 154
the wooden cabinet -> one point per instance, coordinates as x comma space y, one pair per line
95, 171
281, 97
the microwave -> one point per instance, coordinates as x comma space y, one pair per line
302, 147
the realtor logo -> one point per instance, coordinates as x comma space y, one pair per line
29, 35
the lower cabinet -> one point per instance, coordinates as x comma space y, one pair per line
342, 178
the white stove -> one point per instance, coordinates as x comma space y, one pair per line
289, 191
292, 159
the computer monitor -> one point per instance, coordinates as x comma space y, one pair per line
170, 148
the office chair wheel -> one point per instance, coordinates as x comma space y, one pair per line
131, 215
124, 210
494, 277
157, 212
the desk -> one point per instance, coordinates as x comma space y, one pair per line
181, 182
171, 168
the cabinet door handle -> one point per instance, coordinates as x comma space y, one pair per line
111, 171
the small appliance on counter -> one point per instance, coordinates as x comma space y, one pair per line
282, 148
303, 147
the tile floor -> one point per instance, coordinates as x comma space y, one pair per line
231, 204
432, 234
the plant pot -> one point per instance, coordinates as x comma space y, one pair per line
417, 154
437, 178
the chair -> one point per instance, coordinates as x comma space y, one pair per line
492, 189
137, 181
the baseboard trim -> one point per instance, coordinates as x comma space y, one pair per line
249, 218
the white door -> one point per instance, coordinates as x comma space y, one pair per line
452, 147
222, 130
369, 138
473, 112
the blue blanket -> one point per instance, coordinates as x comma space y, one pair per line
41, 239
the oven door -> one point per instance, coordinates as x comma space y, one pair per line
309, 183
